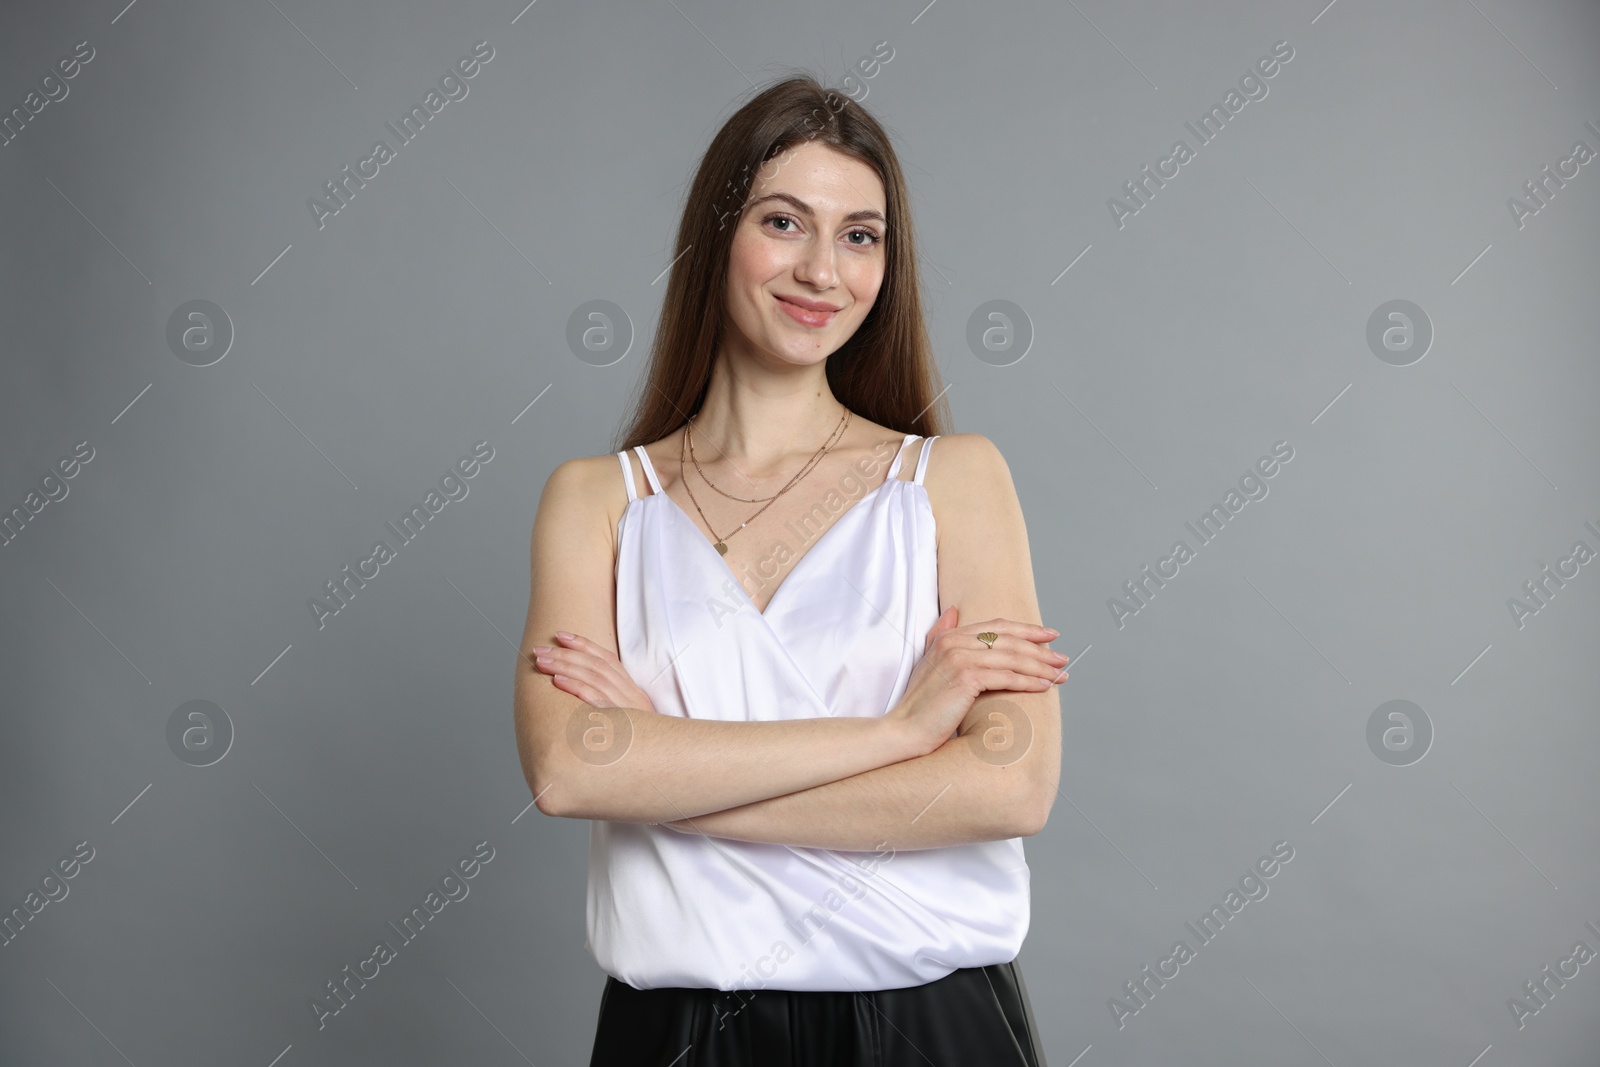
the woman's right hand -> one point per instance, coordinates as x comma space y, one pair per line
955, 667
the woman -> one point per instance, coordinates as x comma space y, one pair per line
807, 816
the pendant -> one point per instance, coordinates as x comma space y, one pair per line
722, 548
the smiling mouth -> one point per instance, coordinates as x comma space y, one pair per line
805, 316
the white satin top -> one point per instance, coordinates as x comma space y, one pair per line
839, 637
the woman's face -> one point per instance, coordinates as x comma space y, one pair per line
808, 257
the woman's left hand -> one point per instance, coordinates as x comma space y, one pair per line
590, 672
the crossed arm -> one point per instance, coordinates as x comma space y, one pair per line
997, 777
966, 790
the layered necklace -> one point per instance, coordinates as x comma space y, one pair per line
765, 502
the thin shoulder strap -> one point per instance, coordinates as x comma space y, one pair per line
627, 474
649, 471
900, 454
922, 460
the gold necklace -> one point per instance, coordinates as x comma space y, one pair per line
816, 457
722, 543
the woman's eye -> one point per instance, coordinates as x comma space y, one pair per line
786, 223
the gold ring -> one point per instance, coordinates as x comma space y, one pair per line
988, 637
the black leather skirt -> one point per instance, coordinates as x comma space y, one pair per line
972, 1016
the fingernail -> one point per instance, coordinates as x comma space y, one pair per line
563, 635
541, 649
1052, 630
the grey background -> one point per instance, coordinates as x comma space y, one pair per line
1229, 314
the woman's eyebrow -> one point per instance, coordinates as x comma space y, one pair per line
800, 205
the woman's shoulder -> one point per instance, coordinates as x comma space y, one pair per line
587, 471
964, 459
589, 488
967, 479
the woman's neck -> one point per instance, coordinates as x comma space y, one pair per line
762, 425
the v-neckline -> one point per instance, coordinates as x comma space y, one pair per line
782, 585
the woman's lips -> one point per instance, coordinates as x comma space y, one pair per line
803, 316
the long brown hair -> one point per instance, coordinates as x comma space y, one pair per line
885, 372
